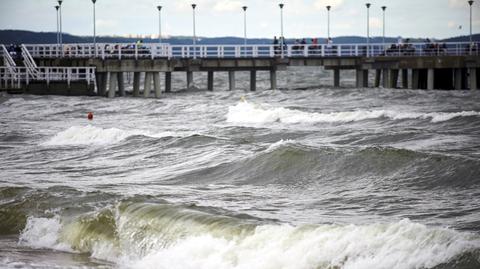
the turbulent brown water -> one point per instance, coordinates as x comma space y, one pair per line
301, 177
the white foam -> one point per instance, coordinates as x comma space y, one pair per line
401, 245
43, 233
279, 144
245, 112
88, 135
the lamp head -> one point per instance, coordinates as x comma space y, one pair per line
244, 8
281, 5
470, 2
194, 6
329, 7
60, 2
57, 7
383, 8
94, 1
159, 8
368, 5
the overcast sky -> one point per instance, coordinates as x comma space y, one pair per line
406, 18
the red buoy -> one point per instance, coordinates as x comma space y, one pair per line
90, 116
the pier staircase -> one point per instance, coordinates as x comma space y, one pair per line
21, 74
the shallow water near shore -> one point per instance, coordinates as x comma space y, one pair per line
302, 177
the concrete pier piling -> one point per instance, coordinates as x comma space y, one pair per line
273, 79
136, 84
405, 78
253, 80
168, 81
336, 78
431, 79
362, 78
473, 73
148, 84
156, 84
189, 79
121, 85
393, 78
415, 79
378, 77
112, 85
210, 77
231, 80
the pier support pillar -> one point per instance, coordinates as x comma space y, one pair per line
362, 78
378, 77
156, 84
415, 79
210, 80
136, 84
168, 81
121, 83
101, 78
431, 79
386, 78
148, 84
231, 80
393, 78
253, 80
113, 84
458, 79
473, 78
405, 78
273, 79
336, 78
189, 79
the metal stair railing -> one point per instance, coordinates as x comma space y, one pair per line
29, 62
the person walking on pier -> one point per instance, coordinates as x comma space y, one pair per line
276, 48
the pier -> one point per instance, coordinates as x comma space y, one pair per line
101, 69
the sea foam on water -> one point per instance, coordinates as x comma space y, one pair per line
246, 112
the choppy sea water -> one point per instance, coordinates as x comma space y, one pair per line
302, 177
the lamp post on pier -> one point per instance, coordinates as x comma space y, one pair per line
94, 29
383, 39
245, 30
60, 38
58, 30
368, 29
471, 4
194, 33
282, 43
159, 24
328, 21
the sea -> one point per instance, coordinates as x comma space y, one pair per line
302, 177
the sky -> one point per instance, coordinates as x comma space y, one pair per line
215, 18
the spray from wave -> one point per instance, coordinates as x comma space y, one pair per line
141, 235
92, 135
245, 112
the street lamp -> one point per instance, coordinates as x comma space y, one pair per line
60, 33
383, 40
245, 30
368, 29
94, 28
159, 23
281, 28
328, 21
194, 33
471, 4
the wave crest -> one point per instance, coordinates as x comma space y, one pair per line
91, 135
245, 112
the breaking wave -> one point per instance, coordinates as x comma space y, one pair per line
92, 135
245, 112
143, 235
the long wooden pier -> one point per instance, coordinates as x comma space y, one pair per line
414, 66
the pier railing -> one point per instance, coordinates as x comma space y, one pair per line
154, 51
24, 76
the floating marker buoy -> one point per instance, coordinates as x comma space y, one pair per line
90, 116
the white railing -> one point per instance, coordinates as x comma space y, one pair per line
154, 51
7, 59
47, 75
